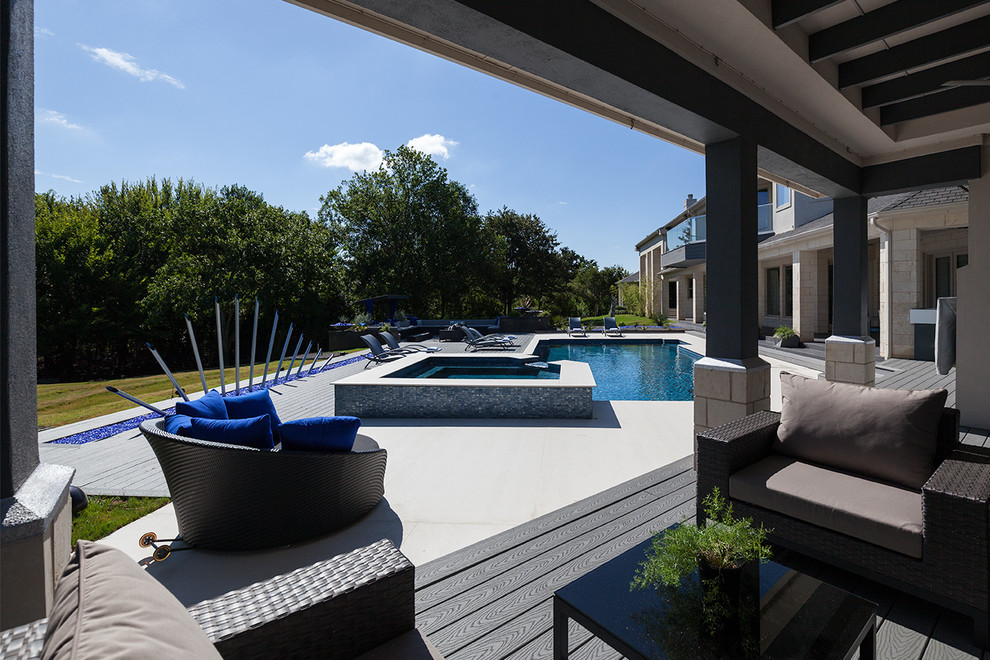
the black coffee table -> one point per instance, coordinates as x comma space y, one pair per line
782, 614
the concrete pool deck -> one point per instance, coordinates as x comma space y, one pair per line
449, 483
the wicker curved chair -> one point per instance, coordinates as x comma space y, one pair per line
228, 497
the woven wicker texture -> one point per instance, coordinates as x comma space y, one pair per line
23, 642
956, 511
239, 498
336, 608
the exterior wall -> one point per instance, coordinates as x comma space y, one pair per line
805, 263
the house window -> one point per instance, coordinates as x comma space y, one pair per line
783, 196
672, 295
941, 280
773, 291
788, 291
690, 288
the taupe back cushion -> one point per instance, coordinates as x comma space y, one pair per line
886, 434
107, 607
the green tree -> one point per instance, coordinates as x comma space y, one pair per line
531, 264
407, 228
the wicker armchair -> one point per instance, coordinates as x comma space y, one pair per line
229, 497
337, 608
953, 570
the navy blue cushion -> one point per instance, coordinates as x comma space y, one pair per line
319, 433
209, 406
251, 432
175, 423
251, 405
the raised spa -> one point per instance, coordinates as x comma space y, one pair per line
469, 367
468, 386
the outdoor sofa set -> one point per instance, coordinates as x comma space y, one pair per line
873, 481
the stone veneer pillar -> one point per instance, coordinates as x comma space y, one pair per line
731, 381
805, 293
698, 313
851, 360
35, 529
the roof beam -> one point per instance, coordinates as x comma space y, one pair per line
949, 167
881, 23
953, 42
926, 81
785, 12
610, 46
933, 104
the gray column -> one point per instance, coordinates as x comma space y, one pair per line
849, 317
18, 376
731, 381
36, 525
732, 265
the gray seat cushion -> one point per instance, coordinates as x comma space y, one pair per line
106, 606
886, 434
884, 514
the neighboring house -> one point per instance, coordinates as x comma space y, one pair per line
621, 287
926, 229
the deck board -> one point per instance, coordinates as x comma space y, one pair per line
494, 599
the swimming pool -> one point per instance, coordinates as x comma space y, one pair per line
630, 370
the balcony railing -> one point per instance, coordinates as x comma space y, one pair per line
764, 223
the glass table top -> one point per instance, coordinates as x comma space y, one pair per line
782, 613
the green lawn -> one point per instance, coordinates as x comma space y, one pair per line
106, 514
621, 319
64, 403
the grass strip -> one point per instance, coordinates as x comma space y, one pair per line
107, 513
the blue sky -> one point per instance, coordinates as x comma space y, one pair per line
267, 95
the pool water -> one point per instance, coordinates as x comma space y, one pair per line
472, 368
633, 371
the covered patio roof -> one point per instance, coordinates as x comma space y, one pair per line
841, 97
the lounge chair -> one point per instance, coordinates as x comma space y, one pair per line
395, 347
378, 353
611, 326
230, 497
916, 520
574, 327
475, 340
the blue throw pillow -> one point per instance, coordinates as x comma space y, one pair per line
175, 423
209, 406
252, 405
319, 433
251, 432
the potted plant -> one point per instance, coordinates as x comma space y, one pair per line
717, 552
786, 337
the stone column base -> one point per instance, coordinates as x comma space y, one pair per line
851, 360
36, 538
726, 390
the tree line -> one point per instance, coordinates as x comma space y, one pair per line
121, 266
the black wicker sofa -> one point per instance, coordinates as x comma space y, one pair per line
951, 558
355, 603
230, 497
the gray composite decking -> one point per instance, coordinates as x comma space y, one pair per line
494, 599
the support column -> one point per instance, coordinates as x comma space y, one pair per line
805, 293
731, 381
699, 298
886, 295
682, 297
850, 353
972, 355
35, 529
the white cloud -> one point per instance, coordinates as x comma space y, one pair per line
43, 31
55, 117
126, 63
355, 157
561, 203
432, 145
57, 176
